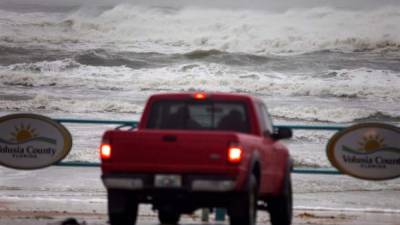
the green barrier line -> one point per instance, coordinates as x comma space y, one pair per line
305, 170
312, 127
90, 121
78, 164
135, 123
132, 123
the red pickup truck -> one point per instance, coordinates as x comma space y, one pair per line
199, 150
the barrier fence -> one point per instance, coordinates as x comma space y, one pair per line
122, 123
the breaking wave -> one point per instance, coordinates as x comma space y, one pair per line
103, 58
43, 102
186, 29
361, 83
333, 114
45, 66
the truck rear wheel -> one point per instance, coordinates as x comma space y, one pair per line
281, 207
243, 211
122, 210
168, 216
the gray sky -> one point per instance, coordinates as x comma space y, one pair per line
50, 5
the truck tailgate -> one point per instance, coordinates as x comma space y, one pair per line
171, 151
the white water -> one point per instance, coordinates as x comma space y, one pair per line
168, 29
46, 83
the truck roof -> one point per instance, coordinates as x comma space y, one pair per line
204, 95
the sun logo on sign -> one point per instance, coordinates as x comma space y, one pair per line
23, 133
371, 143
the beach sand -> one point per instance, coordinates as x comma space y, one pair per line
314, 217
51, 195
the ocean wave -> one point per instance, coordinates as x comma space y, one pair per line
327, 59
199, 54
43, 102
332, 114
10, 55
64, 74
186, 29
230, 58
360, 83
309, 136
45, 66
340, 95
104, 58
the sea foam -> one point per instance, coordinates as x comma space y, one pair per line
149, 29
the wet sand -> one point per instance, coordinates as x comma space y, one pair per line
52, 195
314, 217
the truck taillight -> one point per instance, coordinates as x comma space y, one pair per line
200, 96
235, 153
105, 151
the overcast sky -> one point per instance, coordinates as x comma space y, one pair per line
49, 5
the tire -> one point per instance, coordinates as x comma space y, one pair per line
281, 207
168, 216
122, 210
243, 210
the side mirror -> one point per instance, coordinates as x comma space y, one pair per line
282, 133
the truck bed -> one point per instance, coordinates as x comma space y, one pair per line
155, 151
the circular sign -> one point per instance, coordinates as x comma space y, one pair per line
368, 151
30, 141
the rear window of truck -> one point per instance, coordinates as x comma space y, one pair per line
195, 115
